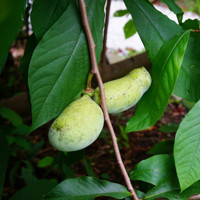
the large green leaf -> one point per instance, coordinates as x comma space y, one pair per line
187, 148
45, 13
174, 8
60, 63
153, 27
164, 72
4, 156
86, 188
160, 171
10, 22
35, 190
169, 188
153, 169
188, 83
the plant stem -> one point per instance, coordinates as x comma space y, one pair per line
89, 81
95, 70
103, 53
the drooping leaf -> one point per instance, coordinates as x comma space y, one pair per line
35, 190
188, 83
25, 61
153, 27
28, 176
10, 115
187, 148
169, 128
169, 188
4, 156
168, 185
163, 147
164, 73
10, 22
191, 24
46, 161
60, 63
46, 12
175, 9
121, 13
153, 169
129, 29
22, 142
86, 188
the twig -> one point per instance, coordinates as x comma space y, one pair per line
95, 70
195, 197
103, 53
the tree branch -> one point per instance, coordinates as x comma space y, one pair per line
103, 53
95, 70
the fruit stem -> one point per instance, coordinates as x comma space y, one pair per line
89, 81
95, 70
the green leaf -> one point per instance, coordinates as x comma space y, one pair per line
153, 169
164, 72
21, 130
188, 83
14, 173
187, 148
129, 29
10, 115
46, 12
4, 156
175, 9
163, 147
60, 63
169, 128
28, 176
22, 142
121, 13
25, 61
191, 24
169, 188
86, 188
153, 27
45, 162
35, 190
10, 23
88, 167
139, 194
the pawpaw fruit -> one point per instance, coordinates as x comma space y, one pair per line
121, 94
77, 126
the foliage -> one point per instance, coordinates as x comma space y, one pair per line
55, 68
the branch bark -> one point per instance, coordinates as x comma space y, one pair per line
103, 53
95, 70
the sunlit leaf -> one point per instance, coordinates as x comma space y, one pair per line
60, 63
86, 188
164, 73
187, 148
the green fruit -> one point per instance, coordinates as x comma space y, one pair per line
123, 93
77, 126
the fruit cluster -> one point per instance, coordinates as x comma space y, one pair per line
82, 121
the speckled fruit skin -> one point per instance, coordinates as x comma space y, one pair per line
77, 126
123, 93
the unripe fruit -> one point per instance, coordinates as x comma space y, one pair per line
77, 126
123, 93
